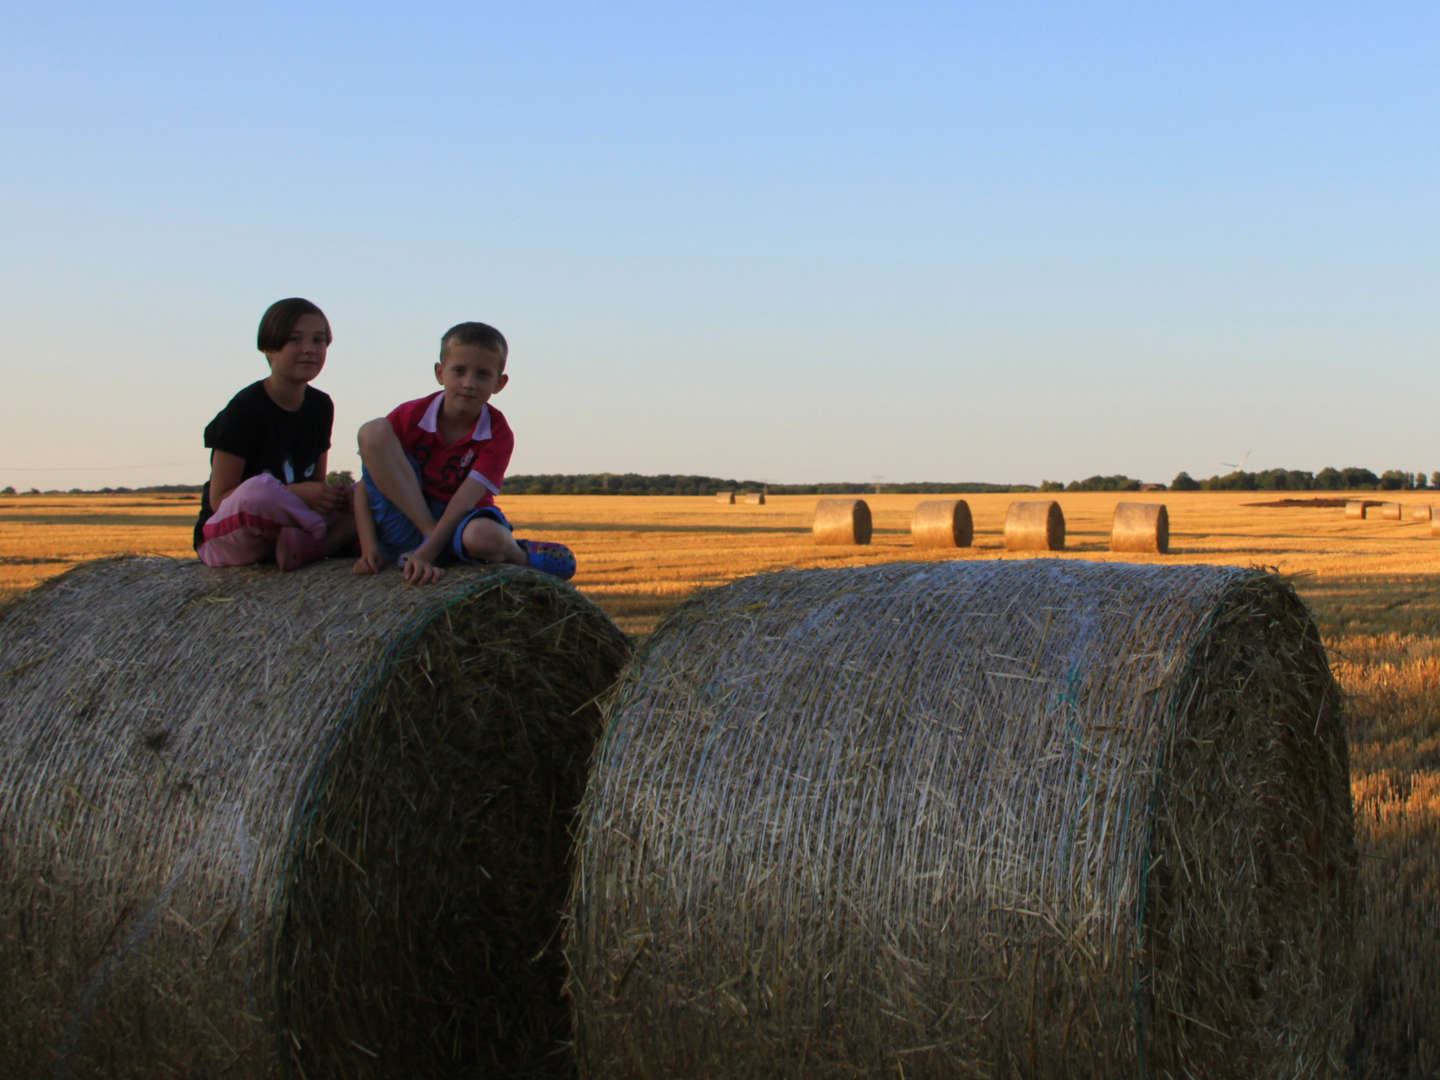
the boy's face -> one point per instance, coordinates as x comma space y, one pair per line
470, 374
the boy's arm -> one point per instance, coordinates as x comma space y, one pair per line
370, 559
461, 503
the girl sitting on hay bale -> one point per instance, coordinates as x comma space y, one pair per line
267, 495
432, 469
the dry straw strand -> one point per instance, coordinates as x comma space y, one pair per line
1355, 508
842, 521
308, 823
1044, 818
1034, 526
942, 523
1140, 527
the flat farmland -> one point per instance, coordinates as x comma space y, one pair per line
1373, 586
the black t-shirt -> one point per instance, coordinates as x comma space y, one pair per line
285, 444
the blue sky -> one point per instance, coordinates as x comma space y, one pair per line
793, 242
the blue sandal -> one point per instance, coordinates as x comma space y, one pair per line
549, 558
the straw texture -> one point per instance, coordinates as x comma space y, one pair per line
1034, 526
307, 823
1039, 818
842, 521
942, 523
1140, 527
1356, 508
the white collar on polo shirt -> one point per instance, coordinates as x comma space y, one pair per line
431, 419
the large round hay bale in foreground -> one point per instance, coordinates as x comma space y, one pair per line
942, 523
1041, 819
842, 521
259, 823
1140, 527
1034, 526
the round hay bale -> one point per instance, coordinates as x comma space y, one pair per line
1355, 508
726, 497
754, 498
1140, 527
1435, 524
1421, 513
942, 523
1391, 511
1041, 818
313, 824
1034, 526
842, 521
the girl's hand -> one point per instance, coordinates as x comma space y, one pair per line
321, 497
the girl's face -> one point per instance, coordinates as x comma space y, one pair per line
302, 357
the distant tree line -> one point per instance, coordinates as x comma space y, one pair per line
1327, 479
668, 484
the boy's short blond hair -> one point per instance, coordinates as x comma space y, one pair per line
479, 334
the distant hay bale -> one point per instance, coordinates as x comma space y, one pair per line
1435, 524
942, 523
842, 521
1421, 513
754, 498
1034, 526
1355, 508
726, 497
1043, 818
1140, 527
1391, 511
259, 823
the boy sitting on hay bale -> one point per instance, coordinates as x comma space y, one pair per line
431, 470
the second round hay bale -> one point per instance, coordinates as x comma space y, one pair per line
754, 498
1045, 819
1391, 511
1421, 512
842, 521
305, 824
942, 523
726, 497
1355, 508
1034, 526
1140, 527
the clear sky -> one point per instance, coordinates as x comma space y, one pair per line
782, 241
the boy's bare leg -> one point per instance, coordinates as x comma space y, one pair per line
393, 474
489, 541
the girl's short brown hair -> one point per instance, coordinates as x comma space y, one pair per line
280, 318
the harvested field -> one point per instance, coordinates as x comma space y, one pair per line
1374, 587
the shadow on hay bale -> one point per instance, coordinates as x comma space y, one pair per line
942, 523
307, 823
1034, 526
1042, 819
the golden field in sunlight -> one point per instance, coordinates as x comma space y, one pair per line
1373, 585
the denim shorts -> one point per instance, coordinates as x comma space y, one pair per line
398, 534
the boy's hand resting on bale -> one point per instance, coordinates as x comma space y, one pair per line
420, 571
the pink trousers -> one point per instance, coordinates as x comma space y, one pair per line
246, 524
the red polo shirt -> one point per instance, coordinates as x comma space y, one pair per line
483, 454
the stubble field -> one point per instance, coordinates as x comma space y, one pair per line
1373, 585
